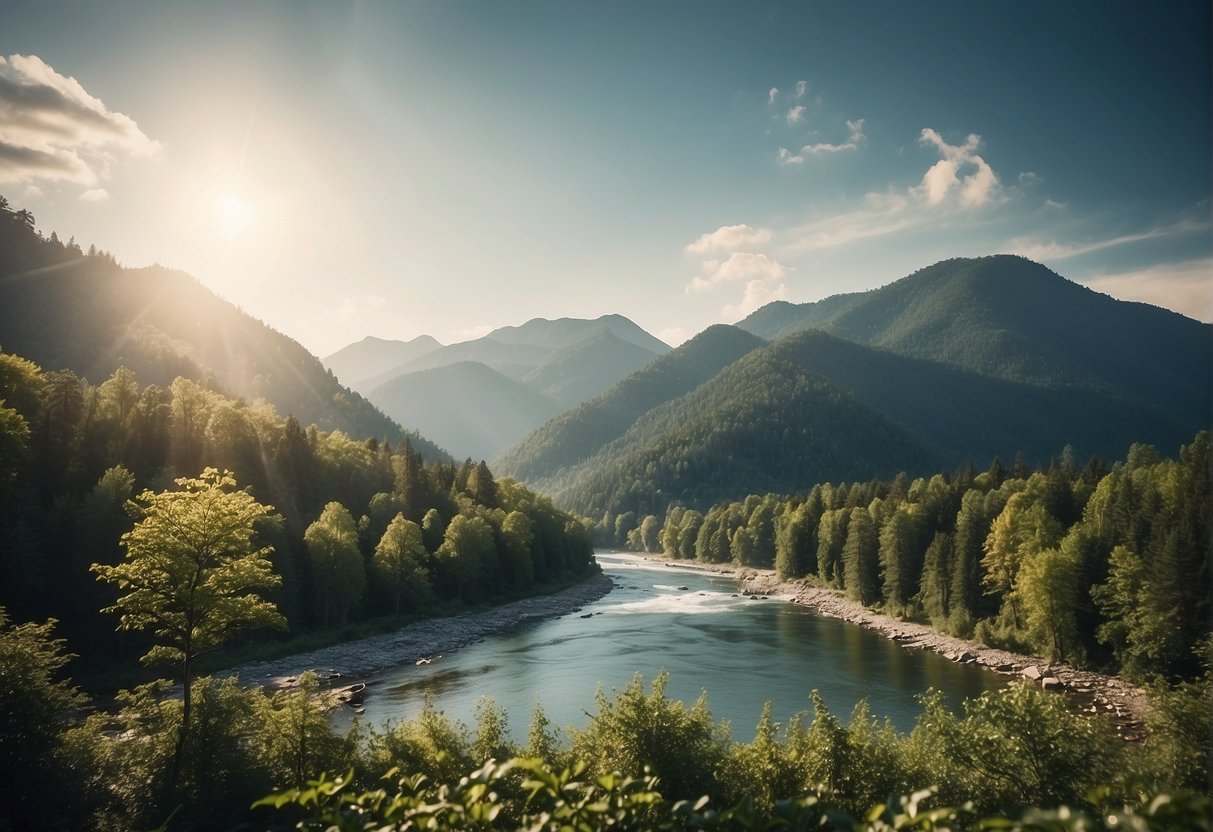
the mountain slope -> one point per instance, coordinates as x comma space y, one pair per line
580, 432
968, 416
763, 424
62, 309
1012, 318
584, 369
355, 363
812, 407
468, 408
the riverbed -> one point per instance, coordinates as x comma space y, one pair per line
742, 650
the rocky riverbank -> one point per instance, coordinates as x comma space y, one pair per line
1094, 693
343, 668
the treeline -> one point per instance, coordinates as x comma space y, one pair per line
363, 528
1105, 567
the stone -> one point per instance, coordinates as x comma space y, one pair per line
1051, 683
1032, 672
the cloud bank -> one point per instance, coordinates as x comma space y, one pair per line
53, 130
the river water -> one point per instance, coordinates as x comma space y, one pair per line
697, 626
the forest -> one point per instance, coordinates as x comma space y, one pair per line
358, 529
1101, 566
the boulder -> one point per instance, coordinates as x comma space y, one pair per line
1032, 672
1051, 683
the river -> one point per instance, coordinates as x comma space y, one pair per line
697, 626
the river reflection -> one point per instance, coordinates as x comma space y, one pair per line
695, 625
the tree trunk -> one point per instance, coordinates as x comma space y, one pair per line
186, 702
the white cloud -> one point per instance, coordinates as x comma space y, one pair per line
763, 278
95, 195
729, 238
743, 265
1183, 287
786, 157
854, 137
801, 88
772, 95
976, 189
757, 293
796, 114
52, 129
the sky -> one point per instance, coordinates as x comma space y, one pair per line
341, 170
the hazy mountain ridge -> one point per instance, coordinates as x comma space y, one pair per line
468, 408
357, 362
582, 370
90, 315
562, 363
583, 430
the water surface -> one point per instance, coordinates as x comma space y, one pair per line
697, 626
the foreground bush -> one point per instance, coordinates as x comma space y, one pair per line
573, 801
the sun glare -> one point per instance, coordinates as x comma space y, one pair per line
233, 214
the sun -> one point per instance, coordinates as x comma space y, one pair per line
233, 214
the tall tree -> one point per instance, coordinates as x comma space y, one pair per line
399, 560
192, 574
338, 571
861, 558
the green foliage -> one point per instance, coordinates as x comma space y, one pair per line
573, 799
339, 575
192, 572
398, 565
636, 729
1086, 565
35, 706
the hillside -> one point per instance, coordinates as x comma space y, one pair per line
468, 408
373, 356
582, 431
585, 368
763, 424
63, 309
1009, 317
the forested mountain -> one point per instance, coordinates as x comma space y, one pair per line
968, 416
763, 424
584, 369
468, 408
65, 309
1009, 317
355, 363
812, 407
579, 433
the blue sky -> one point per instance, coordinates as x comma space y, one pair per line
393, 169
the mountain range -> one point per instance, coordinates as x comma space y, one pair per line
957, 363
478, 397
